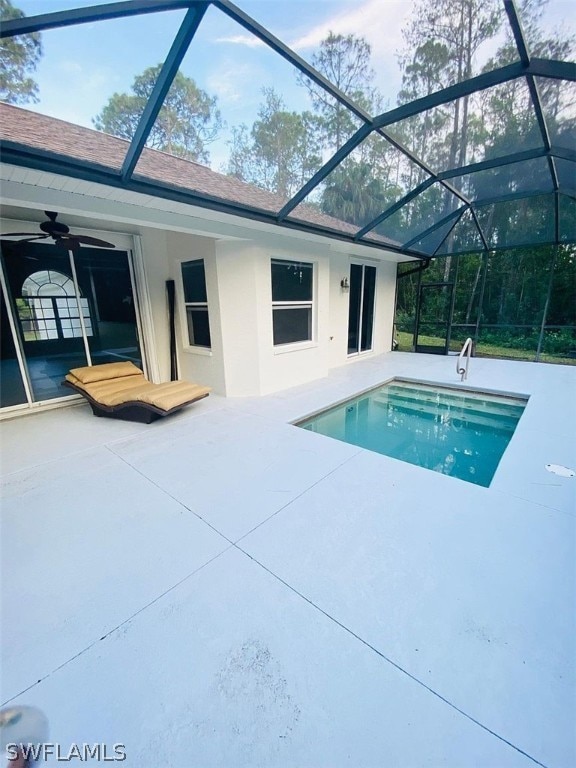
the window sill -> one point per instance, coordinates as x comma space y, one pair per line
363, 353
283, 349
206, 351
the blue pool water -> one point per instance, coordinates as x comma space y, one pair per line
454, 431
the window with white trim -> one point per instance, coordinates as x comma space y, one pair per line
50, 309
196, 303
292, 291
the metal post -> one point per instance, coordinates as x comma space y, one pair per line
79, 305
485, 257
546, 304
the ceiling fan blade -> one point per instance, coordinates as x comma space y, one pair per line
90, 241
20, 234
69, 242
27, 239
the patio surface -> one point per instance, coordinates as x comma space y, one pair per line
223, 589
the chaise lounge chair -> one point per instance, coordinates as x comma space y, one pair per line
121, 391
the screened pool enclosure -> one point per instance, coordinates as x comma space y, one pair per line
447, 137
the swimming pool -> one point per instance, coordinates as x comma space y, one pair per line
458, 432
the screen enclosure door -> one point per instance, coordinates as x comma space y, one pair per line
433, 319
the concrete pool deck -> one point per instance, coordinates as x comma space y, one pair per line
223, 589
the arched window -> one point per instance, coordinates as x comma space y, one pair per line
48, 282
48, 307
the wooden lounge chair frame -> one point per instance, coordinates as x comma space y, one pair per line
144, 413
132, 410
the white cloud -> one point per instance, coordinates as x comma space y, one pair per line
380, 23
85, 91
68, 67
228, 81
248, 40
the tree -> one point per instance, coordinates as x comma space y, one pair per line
508, 112
448, 33
19, 57
443, 39
354, 193
186, 123
359, 189
345, 61
280, 151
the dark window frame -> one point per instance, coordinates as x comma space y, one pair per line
193, 307
281, 305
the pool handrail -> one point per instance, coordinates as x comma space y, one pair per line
466, 350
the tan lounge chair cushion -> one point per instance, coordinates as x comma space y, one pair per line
132, 386
172, 394
91, 373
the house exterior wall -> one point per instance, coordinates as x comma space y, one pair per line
237, 269
243, 360
282, 367
194, 363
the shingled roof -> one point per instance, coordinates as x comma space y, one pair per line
49, 134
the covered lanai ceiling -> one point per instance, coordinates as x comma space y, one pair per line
403, 179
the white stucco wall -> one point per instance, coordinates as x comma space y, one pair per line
385, 295
252, 365
286, 366
236, 265
243, 360
195, 363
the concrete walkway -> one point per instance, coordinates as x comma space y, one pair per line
223, 589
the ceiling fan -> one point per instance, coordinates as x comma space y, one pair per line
60, 233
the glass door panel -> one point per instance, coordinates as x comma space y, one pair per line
105, 284
45, 307
368, 307
354, 308
361, 308
433, 321
12, 390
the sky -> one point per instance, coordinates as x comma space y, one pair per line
229, 61
83, 66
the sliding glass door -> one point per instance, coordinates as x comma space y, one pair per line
12, 389
62, 310
105, 280
361, 308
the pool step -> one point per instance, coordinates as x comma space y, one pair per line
456, 394
480, 404
454, 408
455, 415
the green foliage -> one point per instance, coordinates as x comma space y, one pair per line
560, 341
186, 123
517, 286
361, 187
279, 152
345, 61
19, 57
512, 288
442, 39
283, 149
353, 193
